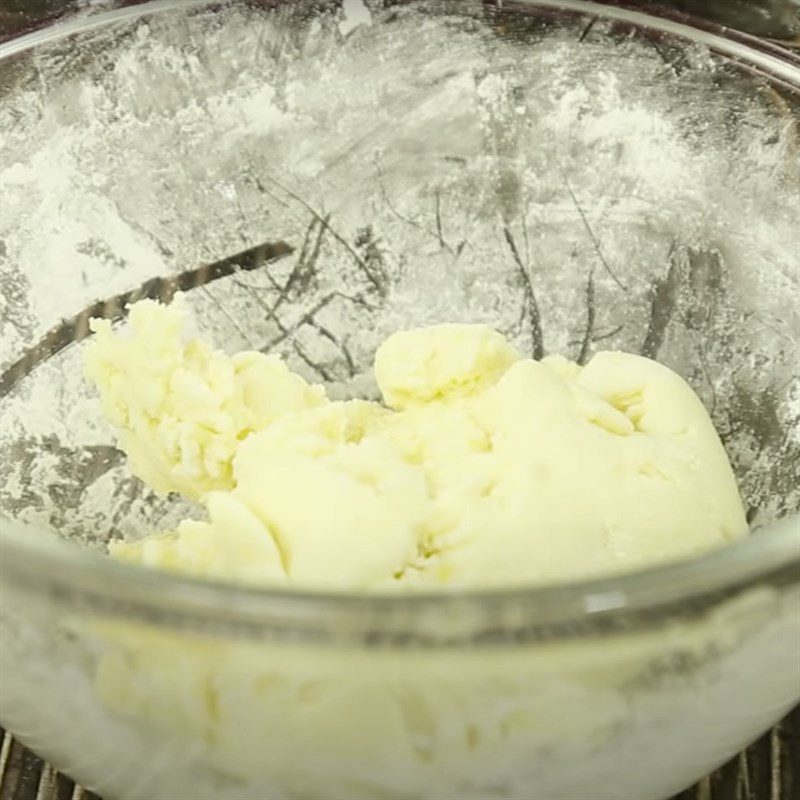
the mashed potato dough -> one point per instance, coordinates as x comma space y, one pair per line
480, 469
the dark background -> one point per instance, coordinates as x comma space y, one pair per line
770, 768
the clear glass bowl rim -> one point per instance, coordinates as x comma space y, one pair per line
76, 577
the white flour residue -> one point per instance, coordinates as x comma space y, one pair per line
576, 192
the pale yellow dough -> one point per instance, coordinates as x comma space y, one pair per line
181, 410
483, 469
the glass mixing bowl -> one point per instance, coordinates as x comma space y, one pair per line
580, 177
